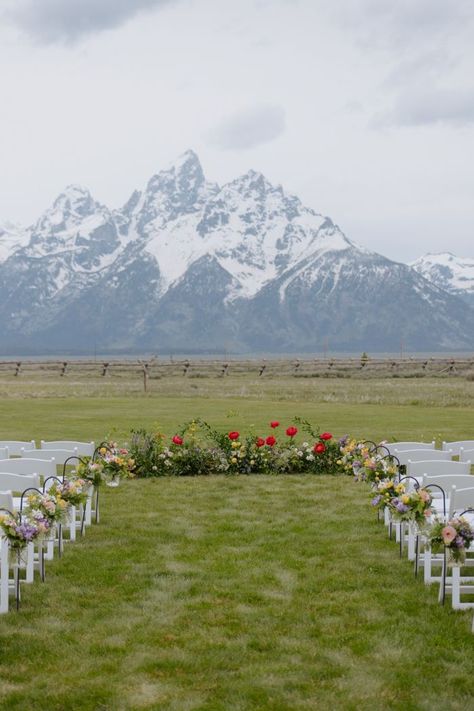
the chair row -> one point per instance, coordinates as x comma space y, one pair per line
19, 448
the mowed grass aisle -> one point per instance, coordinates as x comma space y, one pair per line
235, 594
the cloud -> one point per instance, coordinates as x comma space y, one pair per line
424, 106
250, 128
66, 21
389, 23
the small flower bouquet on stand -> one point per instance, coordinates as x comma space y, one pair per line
412, 507
456, 536
18, 533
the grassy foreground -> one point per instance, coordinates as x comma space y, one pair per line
223, 594
235, 594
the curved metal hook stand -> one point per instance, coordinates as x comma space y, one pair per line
73, 456
443, 576
40, 543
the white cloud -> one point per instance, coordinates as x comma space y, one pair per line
49, 21
249, 128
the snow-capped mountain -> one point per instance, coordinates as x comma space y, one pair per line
188, 265
454, 274
12, 237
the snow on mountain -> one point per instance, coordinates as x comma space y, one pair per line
454, 274
12, 237
188, 265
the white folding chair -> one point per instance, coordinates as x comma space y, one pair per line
15, 446
456, 446
401, 446
4, 453
82, 449
457, 584
466, 455
4, 571
22, 465
7, 584
418, 455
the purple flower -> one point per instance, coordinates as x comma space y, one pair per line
401, 507
459, 542
343, 440
376, 500
26, 531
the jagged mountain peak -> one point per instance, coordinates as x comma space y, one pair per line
446, 270
75, 199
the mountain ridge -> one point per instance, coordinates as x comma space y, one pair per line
188, 264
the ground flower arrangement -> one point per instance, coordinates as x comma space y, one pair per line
198, 449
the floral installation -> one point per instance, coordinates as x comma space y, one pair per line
197, 448
375, 468
18, 533
73, 491
456, 535
115, 460
412, 506
385, 492
45, 510
109, 463
352, 454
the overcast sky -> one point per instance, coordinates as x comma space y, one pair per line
363, 108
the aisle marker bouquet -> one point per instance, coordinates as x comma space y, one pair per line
456, 535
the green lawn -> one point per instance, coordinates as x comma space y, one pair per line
245, 593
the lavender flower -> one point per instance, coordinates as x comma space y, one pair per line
26, 531
401, 507
376, 500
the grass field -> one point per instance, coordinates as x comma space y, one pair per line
249, 593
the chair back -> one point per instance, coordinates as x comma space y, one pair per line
83, 449
23, 465
401, 446
15, 446
460, 500
6, 500
4, 454
18, 482
458, 444
419, 455
59, 455
438, 468
466, 455
458, 480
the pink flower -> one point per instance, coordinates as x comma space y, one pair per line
319, 448
177, 440
449, 534
274, 423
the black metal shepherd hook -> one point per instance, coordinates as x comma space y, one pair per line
40, 544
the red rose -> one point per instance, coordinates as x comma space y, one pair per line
260, 442
274, 423
177, 440
291, 431
325, 435
319, 448
234, 435
270, 441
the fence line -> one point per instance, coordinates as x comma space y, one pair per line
261, 368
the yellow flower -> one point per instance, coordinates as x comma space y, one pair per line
235, 445
405, 499
234, 460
